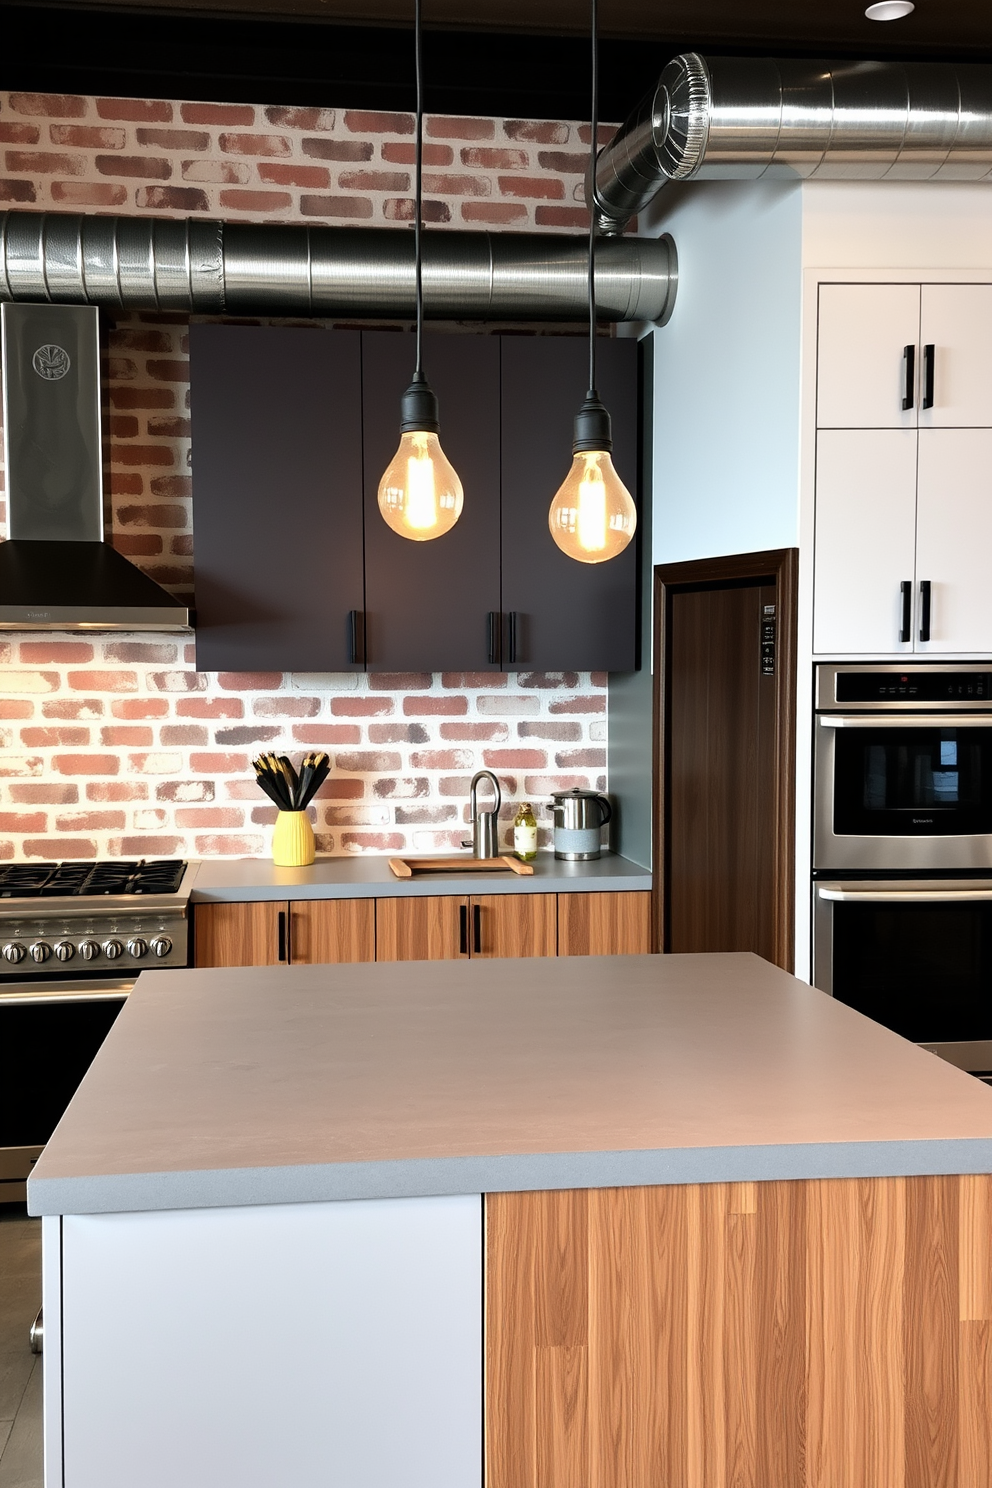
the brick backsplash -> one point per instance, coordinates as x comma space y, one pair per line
117, 745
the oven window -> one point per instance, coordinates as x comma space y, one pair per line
923, 970
913, 782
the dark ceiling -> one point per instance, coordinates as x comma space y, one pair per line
503, 57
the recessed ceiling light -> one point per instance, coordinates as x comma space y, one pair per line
889, 10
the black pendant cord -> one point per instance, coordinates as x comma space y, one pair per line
594, 128
419, 178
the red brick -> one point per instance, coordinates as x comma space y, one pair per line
447, 127
86, 764
87, 136
579, 705
399, 681
536, 131
255, 144
249, 681
256, 201
564, 162
50, 105
424, 815
561, 217
173, 198
218, 764
532, 187
560, 732
458, 680
498, 213
325, 149
117, 790
515, 759
168, 371
447, 185
284, 707
133, 338
236, 790
599, 679
188, 790
347, 706
198, 707
209, 816
495, 159
89, 193
329, 733
143, 454
169, 428
54, 738
91, 821
300, 118
372, 180
294, 175
369, 762
217, 172
173, 139
139, 110
401, 209
126, 483
23, 821
151, 847
73, 708
252, 733
182, 542
217, 113
44, 795
467, 732
117, 681
397, 733
360, 121
151, 516
403, 788
604, 133
448, 705
121, 735
12, 133
443, 759
335, 206
150, 651
547, 680
398, 152
17, 191
373, 841
341, 790
42, 651
11, 708
138, 544
139, 707
508, 704
589, 759
44, 163
171, 485
59, 847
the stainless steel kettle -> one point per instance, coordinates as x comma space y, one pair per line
578, 816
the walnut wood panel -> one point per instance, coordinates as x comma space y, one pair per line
421, 929
331, 930
604, 924
238, 934
830, 1334
514, 925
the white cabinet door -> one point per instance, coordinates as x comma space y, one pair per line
861, 368
956, 321
954, 537
864, 539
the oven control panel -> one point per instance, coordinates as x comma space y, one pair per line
92, 942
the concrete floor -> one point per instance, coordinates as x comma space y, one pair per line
20, 1369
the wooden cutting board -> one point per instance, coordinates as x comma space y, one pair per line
407, 867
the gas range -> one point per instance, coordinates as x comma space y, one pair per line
87, 918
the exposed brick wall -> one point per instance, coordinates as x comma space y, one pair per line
116, 745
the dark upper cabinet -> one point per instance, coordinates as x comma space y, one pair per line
428, 605
277, 515
563, 615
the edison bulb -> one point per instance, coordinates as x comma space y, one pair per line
593, 516
420, 495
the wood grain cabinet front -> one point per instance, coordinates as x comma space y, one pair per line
604, 924
307, 932
446, 927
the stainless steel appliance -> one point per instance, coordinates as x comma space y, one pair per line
73, 937
579, 817
485, 824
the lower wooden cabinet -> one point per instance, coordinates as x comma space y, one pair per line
446, 927
604, 924
331, 930
306, 932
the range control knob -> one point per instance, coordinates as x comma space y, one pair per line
137, 948
112, 949
89, 950
13, 952
40, 951
161, 945
65, 950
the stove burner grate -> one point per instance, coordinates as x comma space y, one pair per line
65, 880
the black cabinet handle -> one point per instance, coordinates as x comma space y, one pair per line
477, 929
909, 355
282, 935
512, 636
928, 360
463, 929
924, 609
493, 651
356, 636
906, 590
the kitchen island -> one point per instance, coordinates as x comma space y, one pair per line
634, 1220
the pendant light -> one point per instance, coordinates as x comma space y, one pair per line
593, 516
420, 495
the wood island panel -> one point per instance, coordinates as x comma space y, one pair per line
421, 929
331, 931
814, 1334
238, 934
605, 924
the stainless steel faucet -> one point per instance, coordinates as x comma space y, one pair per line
485, 824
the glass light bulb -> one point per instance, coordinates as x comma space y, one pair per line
593, 516
420, 495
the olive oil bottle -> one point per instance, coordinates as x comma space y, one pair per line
525, 833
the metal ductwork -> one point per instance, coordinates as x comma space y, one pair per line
745, 119
217, 268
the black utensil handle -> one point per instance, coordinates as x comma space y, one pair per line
924, 609
493, 647
909, 355
906, 590
282, 935
356, 636
463, 929
512, 636
477, 929
928, 361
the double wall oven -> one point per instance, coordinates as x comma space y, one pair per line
902, 850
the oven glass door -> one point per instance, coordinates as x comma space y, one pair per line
912, 781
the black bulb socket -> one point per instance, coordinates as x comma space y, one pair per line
418, 408
593, 427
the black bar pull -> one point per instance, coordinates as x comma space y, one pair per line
512, 636
463, 929
356, 636
282, 935
477, 929
906, 590
928, 361
924, 609
493, 651
909, 355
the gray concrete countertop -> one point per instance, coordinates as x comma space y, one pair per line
281, 1085
240, 879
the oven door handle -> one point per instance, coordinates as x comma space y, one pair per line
903, 896
21, 994
904, 721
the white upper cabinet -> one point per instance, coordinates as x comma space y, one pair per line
864, 373
955, 372
954, 540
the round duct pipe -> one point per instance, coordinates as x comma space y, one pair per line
746, 118
216, 268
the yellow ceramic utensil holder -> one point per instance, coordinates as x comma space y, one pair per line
292, 841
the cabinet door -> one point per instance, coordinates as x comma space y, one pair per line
863, 331
561, 614
865, 539
956, 320
428, 604
240, 934
432, 928
514, 925
604, 924
324, 931
954, 537
277, 497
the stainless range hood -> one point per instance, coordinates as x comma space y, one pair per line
57, 570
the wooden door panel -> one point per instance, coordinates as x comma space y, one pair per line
604, 924
862, 334
327, 931
514, 925
956, 319
954, 538
239, 934
422, 929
